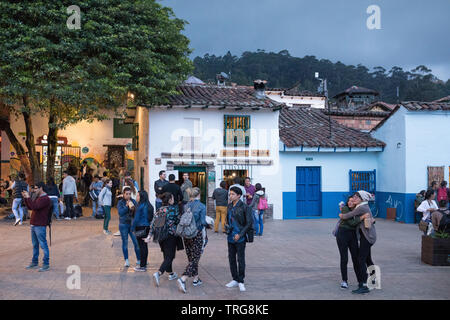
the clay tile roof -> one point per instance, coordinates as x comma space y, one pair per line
444, 99
356, 90
309, 127
213, 95
425, 106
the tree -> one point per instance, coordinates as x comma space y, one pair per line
71, 75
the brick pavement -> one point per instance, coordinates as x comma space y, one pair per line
295, 259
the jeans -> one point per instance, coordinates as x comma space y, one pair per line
258, 219
17, 208
96, 208
107, 210
68, 200
239, 250
346, 240
55, 203
125, 230
38, 238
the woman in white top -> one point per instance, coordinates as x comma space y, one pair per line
428, 206
129, 183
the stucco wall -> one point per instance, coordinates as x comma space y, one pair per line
315, 102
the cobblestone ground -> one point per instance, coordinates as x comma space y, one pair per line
295, 259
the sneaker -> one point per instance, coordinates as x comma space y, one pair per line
139, 269
138, 263
117, 234
20, 223
361, 290
74, 218
232, 284
181, 285
173, 276
241, 287
67, 218
17, 222
127, 263
344, 285
156, 276
32, 266
45, 267
197, 283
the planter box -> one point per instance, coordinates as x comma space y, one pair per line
436, 252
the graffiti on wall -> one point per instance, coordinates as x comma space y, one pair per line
398, 205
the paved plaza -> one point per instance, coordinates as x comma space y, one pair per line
295, 259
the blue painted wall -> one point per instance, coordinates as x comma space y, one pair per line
403, 202
330, 205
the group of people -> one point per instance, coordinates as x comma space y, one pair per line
432, 208
355, 232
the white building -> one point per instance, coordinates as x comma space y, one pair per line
294, 97
417, 152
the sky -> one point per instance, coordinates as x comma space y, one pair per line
412, 32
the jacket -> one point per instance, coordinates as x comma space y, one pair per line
52, 190
69, 187
40, 207
198, 209
143, 216
105, 197
125, 214
255, 200
243, 217
369, 233
18, 187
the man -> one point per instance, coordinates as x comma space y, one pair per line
40, 205
239, 220
97, 186
69, 191
87, 181
249, 190
18, 187
159, 184
175, 190
127, 176
237, 183
187, 184
221, 197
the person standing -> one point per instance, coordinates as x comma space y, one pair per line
194, 247
126, 208
237, 183
127, 176
259, 198
173, 243
51, 189
249, 190
96, 186
141, 227
239, 220
175, 190
105, 201
159, 184
40, 206
442, 192
220, 195
187, 184
69, 191
87, 181
18, 186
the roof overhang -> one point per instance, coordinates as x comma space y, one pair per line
307, 149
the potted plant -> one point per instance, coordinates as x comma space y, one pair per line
436, 249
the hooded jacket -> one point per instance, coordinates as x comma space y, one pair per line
255, 201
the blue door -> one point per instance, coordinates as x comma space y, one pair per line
308, 191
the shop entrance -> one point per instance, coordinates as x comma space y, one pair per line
229, 175
197, 175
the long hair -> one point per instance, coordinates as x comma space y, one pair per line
166, 196
143, 198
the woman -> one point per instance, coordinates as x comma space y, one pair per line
51, 189
367, 235
194, 247
169, 245
105, 200
427, 207
129, 183
257, 212
141, 226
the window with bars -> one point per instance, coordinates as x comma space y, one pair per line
236, 131
362, 180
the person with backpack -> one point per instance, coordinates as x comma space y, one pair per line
105, 201
40, 204
141, 227
443, 192
126, 208
163, 230
18, 186
51, 189
239, 228
258, 205
195, 242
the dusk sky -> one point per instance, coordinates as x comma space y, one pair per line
413, 32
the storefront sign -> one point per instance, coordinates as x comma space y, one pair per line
44, 140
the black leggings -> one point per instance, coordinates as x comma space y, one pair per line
346, 240
168, 247
364, 257
143, 247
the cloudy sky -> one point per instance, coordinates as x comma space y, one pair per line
413, 32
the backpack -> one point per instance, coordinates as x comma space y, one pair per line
160, 229
187, 228
93, 194
442, 194
262, 204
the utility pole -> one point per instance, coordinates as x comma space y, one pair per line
327, 105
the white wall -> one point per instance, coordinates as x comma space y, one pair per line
167, 126
315, 102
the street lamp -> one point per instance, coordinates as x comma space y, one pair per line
325, 90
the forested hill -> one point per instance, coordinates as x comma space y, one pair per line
282, 70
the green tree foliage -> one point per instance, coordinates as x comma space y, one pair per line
281, 70
71, 75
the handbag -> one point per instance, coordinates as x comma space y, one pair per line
423, 226
141, 233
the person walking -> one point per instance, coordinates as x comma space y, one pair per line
220, 195
51, 189
18, 186
141, 227
239, 220
173, 243
105, 201
40, 206
69, 191
258, 205
126, 208
194, 247
96, 186
187, 184
367, 235
159, 184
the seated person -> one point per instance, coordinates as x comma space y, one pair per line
437, 216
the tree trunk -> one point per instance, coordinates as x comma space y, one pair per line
52, 144
32, 155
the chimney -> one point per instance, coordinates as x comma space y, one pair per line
260, 88
221, 78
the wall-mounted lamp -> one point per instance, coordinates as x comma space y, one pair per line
399, 145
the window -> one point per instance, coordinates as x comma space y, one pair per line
362, 180
135, 142
236, 131
121, 129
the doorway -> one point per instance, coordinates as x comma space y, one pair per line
197, 175
230, 175
308, 194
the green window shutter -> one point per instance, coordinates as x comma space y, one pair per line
121, 129
236, 130
135, 141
